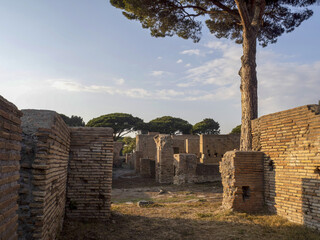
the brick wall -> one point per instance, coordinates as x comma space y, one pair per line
291, 141
164, 161
147, 167
117, 161
207, 173
188, 170
136, 156
212, 147
193, 147
242, 180
90, 174
146, 145
185, 166
10, 138
179, 142
44, 160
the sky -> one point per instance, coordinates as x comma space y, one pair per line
84, 58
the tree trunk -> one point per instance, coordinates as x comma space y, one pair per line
249, 97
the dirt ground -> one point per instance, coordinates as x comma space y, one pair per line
190, 211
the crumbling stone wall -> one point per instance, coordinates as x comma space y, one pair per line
44, 160
242, 180
213, 147
136, 156
117, 161
188, 170
207, 173
291, 141
185, 166
90, 173
164, 162
179, 142
147, 167
10, 138
146, 145
193, 146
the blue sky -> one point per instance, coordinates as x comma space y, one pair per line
81, 57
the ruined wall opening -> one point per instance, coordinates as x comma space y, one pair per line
245, 193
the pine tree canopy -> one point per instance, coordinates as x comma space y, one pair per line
222, 17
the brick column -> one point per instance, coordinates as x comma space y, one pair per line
242, 180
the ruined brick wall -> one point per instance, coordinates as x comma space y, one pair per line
90, 174
291, 141
242, 180
185, 166
179, 142
147, 167
44, 160
137, 155
10, 138
188, 170
164, 161
207, 173
193, 146
117, 161
146, 145
213, 147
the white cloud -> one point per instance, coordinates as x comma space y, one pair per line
188, 65
73, 86
180, 61
282, 82
220, 71
157, 73
119, 81
159, 58
162, 94
191, 52
284, 85
216, 45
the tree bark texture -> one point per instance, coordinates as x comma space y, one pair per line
249, 95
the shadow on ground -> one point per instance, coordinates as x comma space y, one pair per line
123, 227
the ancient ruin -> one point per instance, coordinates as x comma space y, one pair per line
10, 138
212, 147
51, 172
89, 173
242, 180
64, 172
290, 141
289, 144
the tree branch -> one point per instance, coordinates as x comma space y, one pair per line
227, 9
234, 13
243, 14
258, 13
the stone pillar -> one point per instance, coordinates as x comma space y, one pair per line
164, 162
242, 180
10, 144
185, 166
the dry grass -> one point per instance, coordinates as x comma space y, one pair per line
184, 212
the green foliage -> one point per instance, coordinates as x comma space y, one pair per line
169, 125
237, 129
206, 126
129, 144
74, 121
178, 17
122, 123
